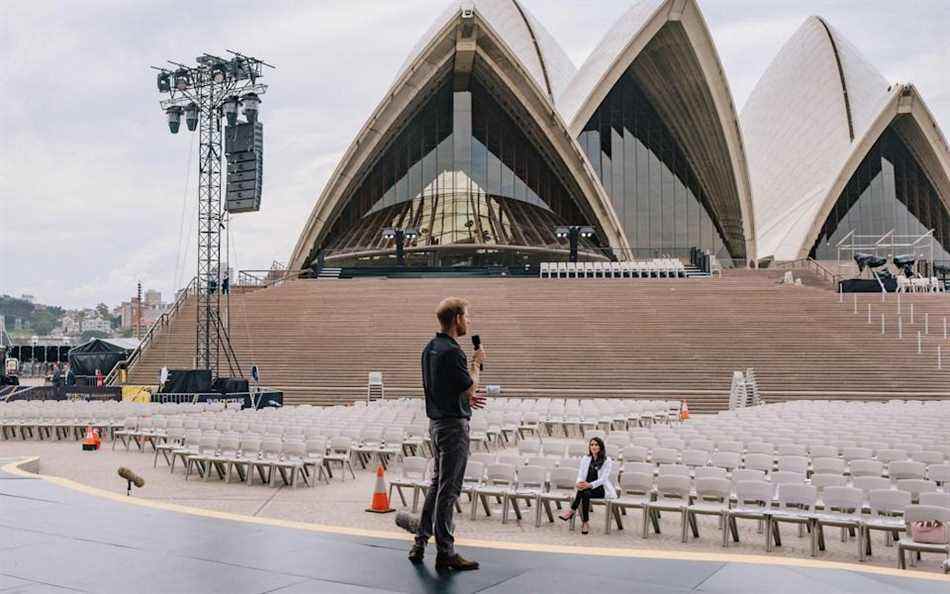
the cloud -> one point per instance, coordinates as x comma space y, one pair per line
92, 185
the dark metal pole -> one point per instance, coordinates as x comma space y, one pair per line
400, 247
573, 235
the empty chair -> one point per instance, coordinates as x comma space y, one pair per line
760, 447
635, 454
561, 490
891, 455
887, 509
270, 453
531, 481
729, 446
747, 474
695, 457
666, 456
787, 477
916, 486
792, 449
863, 467
672, 494
207, 446
753, 502
727, 460
940, 474
291, 460
500, 480
644, 467
928, 456
868, 483
827, 465
906, 469
529, 447
828, 480
762, 462
796, 506
471, 481
248, 452
842, 508
712, 499
340, 452
793, 463
483, 457
823, 451
316, 449
933, 498
709, 472
635, 492
675, 469
412, 475
920, 520
856, 453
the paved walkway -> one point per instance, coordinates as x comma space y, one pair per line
54, 539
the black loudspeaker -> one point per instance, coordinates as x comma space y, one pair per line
244, 150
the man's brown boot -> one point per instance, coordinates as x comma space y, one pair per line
456, 562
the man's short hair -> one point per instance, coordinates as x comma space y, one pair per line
449, 309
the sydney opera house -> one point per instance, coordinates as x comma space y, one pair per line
490, 139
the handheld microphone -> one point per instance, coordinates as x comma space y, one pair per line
477, 343
133, 478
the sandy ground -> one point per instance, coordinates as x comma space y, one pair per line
343, 503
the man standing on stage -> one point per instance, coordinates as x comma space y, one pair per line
450, 385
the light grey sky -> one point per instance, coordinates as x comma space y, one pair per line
95, 194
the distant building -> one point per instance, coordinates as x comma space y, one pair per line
28, 298
153, 298
97, 324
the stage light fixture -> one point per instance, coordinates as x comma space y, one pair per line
251, 103
562, 232
174, 118
230, 107
164, 82
191, 116
389, 233
182, 79
586, 232
411, 233
219, 72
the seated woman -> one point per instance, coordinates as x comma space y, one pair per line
593, 482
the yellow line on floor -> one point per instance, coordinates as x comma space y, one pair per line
14, 468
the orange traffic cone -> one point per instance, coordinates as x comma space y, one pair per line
91, 440
380, 503
684, 412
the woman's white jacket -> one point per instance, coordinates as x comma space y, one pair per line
603, 476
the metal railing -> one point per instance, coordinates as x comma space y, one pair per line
265, 278
809, 263
159, 324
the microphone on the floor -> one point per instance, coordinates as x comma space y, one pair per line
477, 343
132, 478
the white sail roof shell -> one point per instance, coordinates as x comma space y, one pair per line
534, 46
797, 132
590, 75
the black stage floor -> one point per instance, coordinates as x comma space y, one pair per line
57, 539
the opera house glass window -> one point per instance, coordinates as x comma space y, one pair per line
888, 191
463, 174
650, 181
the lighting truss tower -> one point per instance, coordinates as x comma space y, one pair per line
205, 94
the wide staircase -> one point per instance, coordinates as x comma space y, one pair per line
671, 338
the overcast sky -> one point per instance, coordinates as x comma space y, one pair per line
95, 194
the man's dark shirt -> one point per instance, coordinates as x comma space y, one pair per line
444, 378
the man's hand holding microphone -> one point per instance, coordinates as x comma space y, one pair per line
477, 399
